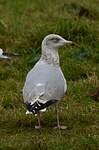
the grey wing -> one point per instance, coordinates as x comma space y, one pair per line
51, 85
36, 99
32, 91
44, 84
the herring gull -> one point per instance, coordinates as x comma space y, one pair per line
45, 83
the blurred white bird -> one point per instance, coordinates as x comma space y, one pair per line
45, 83
3, 55
6, 55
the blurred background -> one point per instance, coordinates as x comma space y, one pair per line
23, 25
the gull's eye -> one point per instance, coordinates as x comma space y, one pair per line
55, 40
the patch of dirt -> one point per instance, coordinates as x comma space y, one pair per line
80, 11
91, 14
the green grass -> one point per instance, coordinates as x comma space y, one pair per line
23, 25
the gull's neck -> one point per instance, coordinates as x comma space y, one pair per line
50, 55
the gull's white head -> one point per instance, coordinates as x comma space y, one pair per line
54, 41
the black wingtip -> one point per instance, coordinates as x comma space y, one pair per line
37, 106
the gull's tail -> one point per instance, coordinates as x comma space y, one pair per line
38, 105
